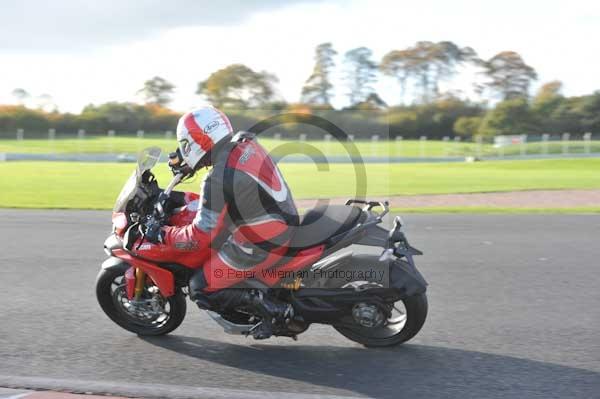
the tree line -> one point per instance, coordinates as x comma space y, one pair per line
422, 107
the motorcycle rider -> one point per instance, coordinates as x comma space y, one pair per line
243, 222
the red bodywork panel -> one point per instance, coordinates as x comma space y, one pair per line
163, 278
220, 274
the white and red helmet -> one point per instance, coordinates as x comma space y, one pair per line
198, 131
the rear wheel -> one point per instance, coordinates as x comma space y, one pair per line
408, 316
152, 314
370, 326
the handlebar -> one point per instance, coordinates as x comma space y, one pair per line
155, 221
162, 198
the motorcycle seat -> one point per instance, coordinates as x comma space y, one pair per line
323, 222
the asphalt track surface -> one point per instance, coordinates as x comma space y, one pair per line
514, 312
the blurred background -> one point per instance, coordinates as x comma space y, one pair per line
418, 88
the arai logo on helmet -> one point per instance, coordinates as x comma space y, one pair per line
185, 147
211, 126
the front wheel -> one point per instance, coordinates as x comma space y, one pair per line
151, 315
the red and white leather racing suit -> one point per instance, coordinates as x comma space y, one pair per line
243, 222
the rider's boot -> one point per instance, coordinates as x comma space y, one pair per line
271, 311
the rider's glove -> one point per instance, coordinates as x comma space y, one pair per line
177, 164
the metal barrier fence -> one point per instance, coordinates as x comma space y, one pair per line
509, 146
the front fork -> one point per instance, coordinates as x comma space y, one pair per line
140, 281
135, 279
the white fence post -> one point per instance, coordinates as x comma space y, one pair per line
277, 136
587, 141
422, 143
302, 137
500, 145
523, 149
565, 142
457, 140
327, 146
51, 137
168, 134
545, 138
445, 139
111, 134
374, 147
20, 134
140, 134
80, 138
479, 149
399, 145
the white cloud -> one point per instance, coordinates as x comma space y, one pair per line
81, 25
558, 41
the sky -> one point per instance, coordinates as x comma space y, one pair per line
89, 51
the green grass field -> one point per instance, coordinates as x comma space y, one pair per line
96, 185
406, 148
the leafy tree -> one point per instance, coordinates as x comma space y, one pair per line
545, 103
13, 117
548, 92
467, 126
509, 76
21, 95
157, 91
436, 119
426, 64
126, 118
238, 86
317, 89
512, 116
372, 102
591, 113
395, 64
361, 74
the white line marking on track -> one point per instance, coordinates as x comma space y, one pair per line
118, 388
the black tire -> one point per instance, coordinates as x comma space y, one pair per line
416, 312
106, 298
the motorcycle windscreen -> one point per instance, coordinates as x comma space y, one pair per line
147, 159
127, 192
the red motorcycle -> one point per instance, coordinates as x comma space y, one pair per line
375, 300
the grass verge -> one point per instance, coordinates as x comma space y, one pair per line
96, 185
